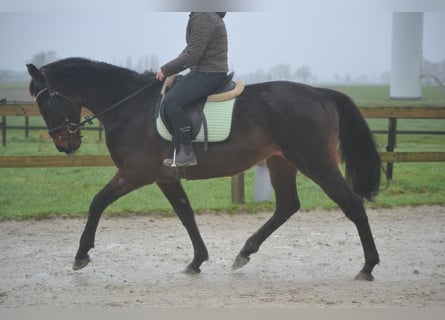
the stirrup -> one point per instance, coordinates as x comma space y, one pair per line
172, 162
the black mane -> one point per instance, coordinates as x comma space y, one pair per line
81, 72
78, 64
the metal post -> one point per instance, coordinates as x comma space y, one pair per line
406, 57
262, 188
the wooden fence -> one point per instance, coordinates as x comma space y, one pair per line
380, 112
394, 113
31, 110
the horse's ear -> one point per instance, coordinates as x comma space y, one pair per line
34, 72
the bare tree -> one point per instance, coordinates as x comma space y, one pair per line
303, 73
44, 57
154, 63
385, 77
129, 63
281, 71
432, 69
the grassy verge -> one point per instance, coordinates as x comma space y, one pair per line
44, 192
68, 191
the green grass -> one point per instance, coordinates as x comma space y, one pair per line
68, 192
44, 192
13, 85
369, 96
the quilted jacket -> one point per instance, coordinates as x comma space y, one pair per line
206, 48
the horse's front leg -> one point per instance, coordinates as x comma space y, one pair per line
119, 186
177, 197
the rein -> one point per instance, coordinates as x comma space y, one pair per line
117, 104
71, 126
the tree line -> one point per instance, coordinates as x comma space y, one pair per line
431, 72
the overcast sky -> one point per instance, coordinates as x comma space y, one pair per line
331, 37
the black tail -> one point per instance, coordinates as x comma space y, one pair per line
358, 148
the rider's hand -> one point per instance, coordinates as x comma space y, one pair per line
160, 75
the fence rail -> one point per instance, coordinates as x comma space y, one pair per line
105, 160
55, 161
415, 112
31, 110
378, 112
394, 113
27, 109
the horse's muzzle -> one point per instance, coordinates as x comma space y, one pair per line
68, 143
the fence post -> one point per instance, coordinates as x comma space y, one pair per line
26, 126
392, 135
100, 129
238, 188
3, 131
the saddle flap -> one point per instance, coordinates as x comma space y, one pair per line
219, 121
228, 91
194, 113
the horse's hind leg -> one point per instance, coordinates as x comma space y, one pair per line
283, 179
177, 197
335, 186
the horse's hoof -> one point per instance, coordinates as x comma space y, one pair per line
240, 261
82, 263
364, 276
191, 270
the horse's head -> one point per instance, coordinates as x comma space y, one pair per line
60, 112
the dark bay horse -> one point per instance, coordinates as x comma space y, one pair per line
293, 127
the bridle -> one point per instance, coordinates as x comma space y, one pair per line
70, 126
53, 95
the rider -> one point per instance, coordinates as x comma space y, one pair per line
206, 56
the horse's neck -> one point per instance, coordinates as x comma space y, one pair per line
107, 108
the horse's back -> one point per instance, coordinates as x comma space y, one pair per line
286, 104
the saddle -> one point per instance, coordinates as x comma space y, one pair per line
228, 90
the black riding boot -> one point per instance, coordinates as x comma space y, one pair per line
184, 157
